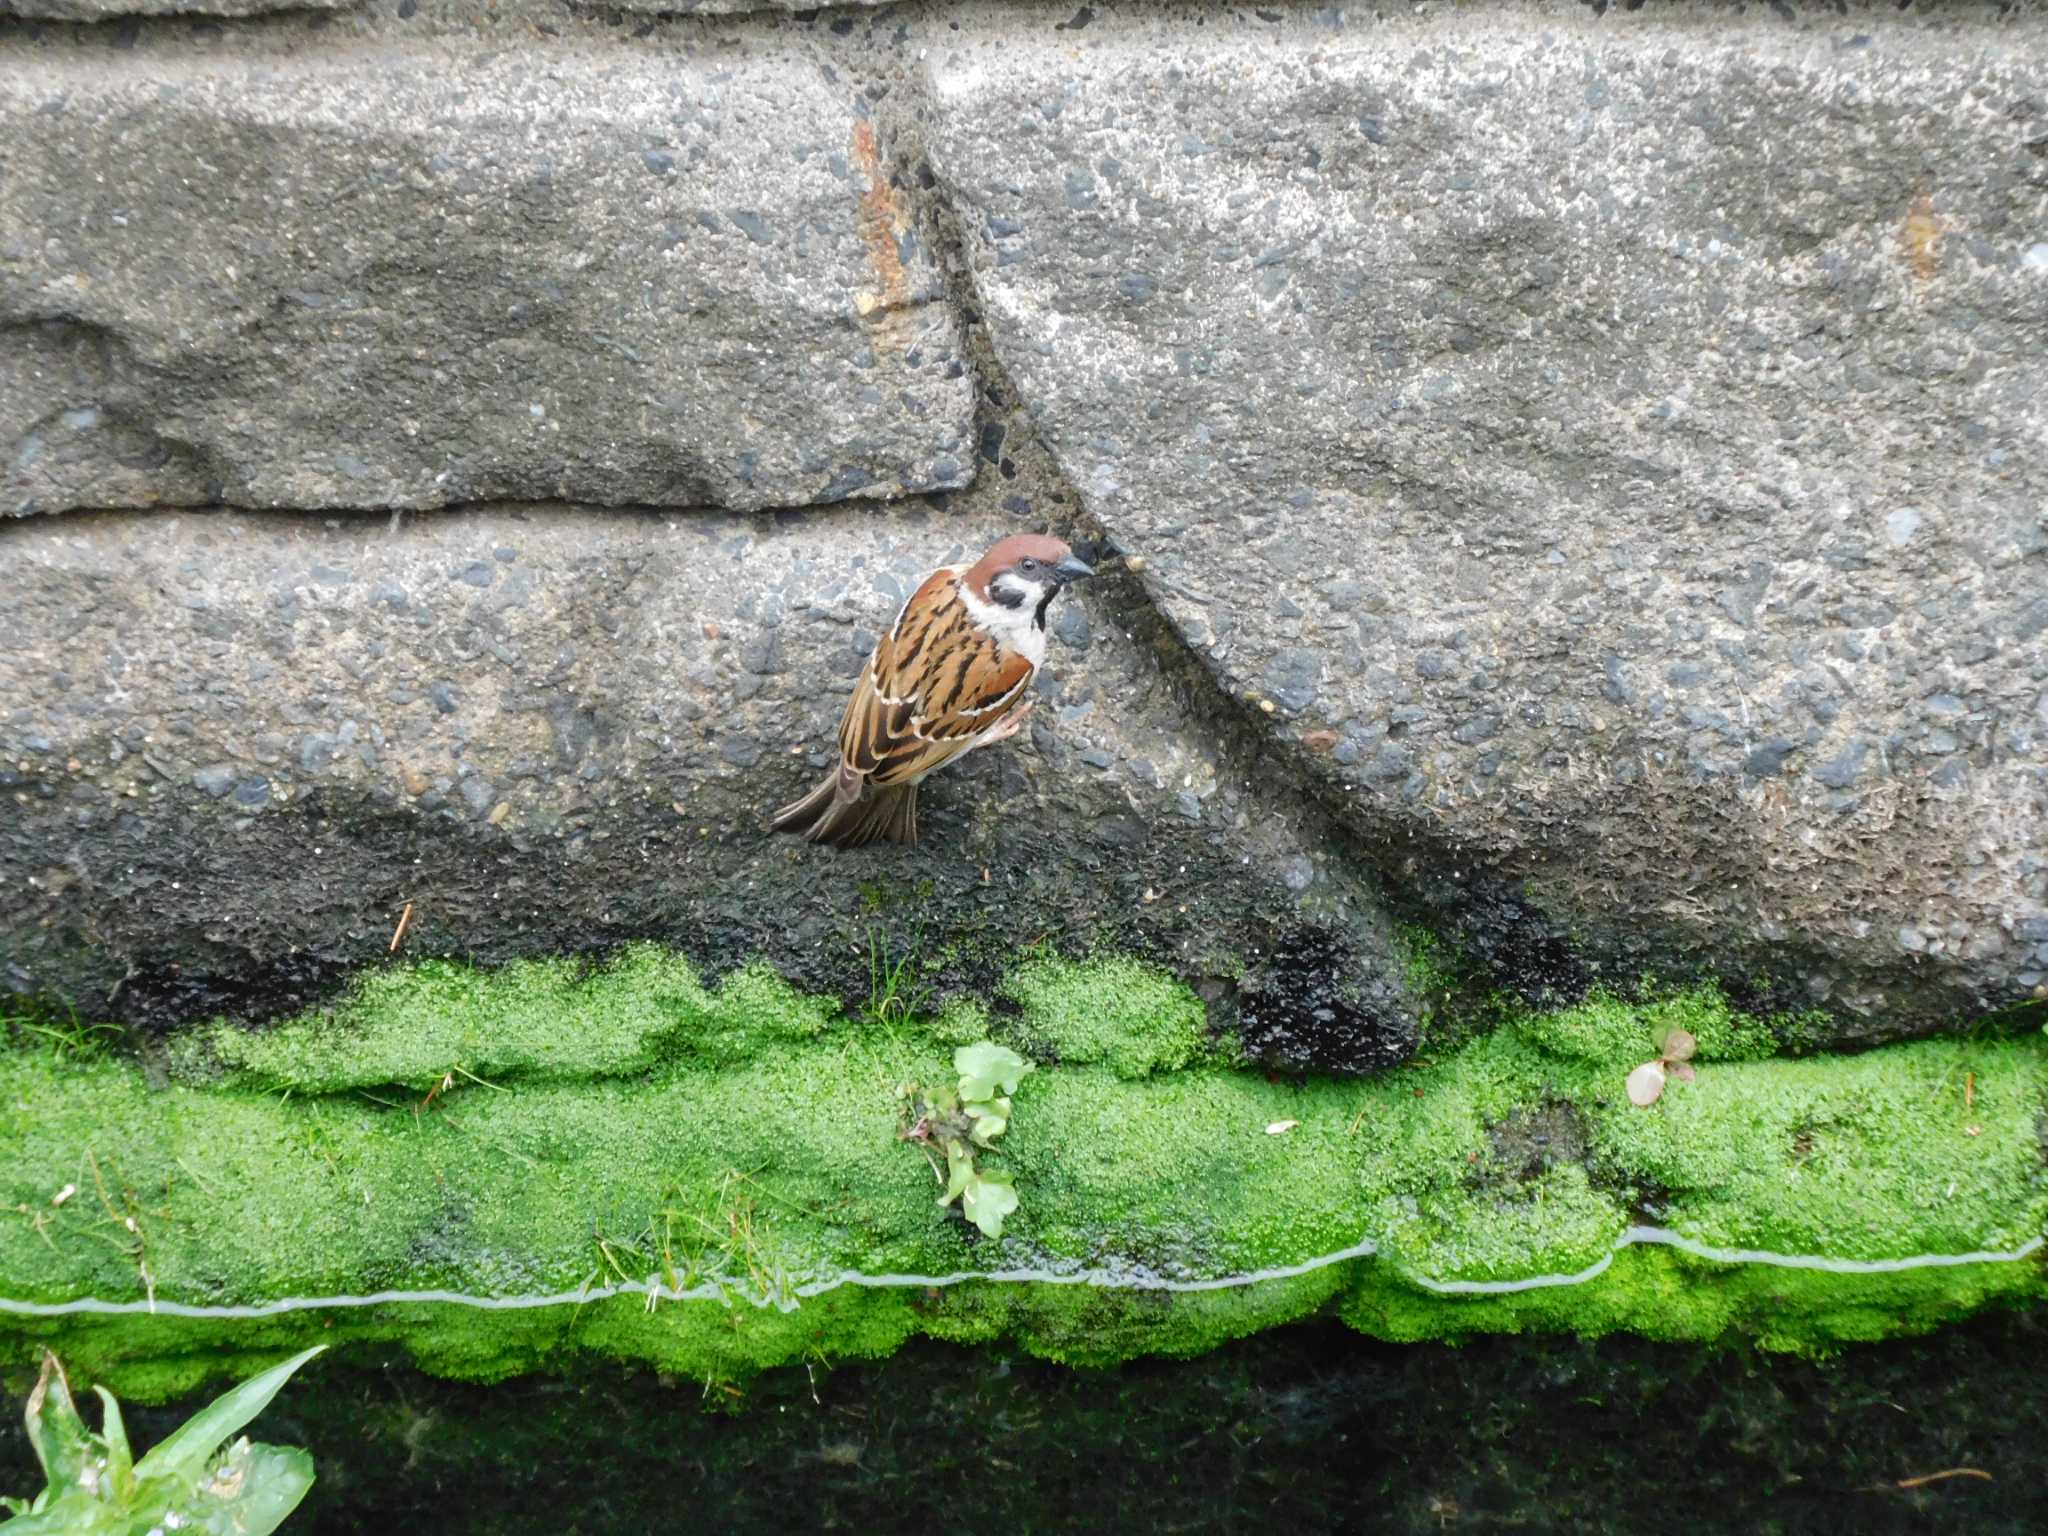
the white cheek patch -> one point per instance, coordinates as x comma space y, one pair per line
1012, 627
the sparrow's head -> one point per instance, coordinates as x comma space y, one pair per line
1025, 572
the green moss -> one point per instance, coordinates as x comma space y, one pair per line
961, 1021
1616, 1032
1555, 1223
1432, 967
622, 1122
548, 1018
1802, 1032
1664, 1294
1130, 1016
1845, 1152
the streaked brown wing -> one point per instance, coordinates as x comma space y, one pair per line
934, 685
878, 716
869, 727
962, 697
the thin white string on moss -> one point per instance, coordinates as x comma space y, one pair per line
1112, 1278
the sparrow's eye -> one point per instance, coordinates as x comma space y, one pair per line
1028, 564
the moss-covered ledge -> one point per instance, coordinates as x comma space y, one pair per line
550, 1129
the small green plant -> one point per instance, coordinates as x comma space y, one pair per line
193, 1481
968, 1117
713, 1235
63, 1032
1673, 1059
895, 995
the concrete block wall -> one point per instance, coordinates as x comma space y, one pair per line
1577, 474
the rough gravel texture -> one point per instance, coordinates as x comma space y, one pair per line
117, 10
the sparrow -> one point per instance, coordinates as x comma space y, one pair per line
949, 676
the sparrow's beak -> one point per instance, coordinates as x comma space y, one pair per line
1072, 569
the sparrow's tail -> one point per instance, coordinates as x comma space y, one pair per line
822, 817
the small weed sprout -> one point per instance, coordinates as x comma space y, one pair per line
195, 1480
1674, 1059
895, 995
966, 1118
724, 1245
64, 1033
447, 1085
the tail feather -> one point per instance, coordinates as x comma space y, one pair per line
822, 816
902, 818
800, 815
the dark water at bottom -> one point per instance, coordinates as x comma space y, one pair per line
1306, 1429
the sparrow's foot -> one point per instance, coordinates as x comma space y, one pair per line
1011, 724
